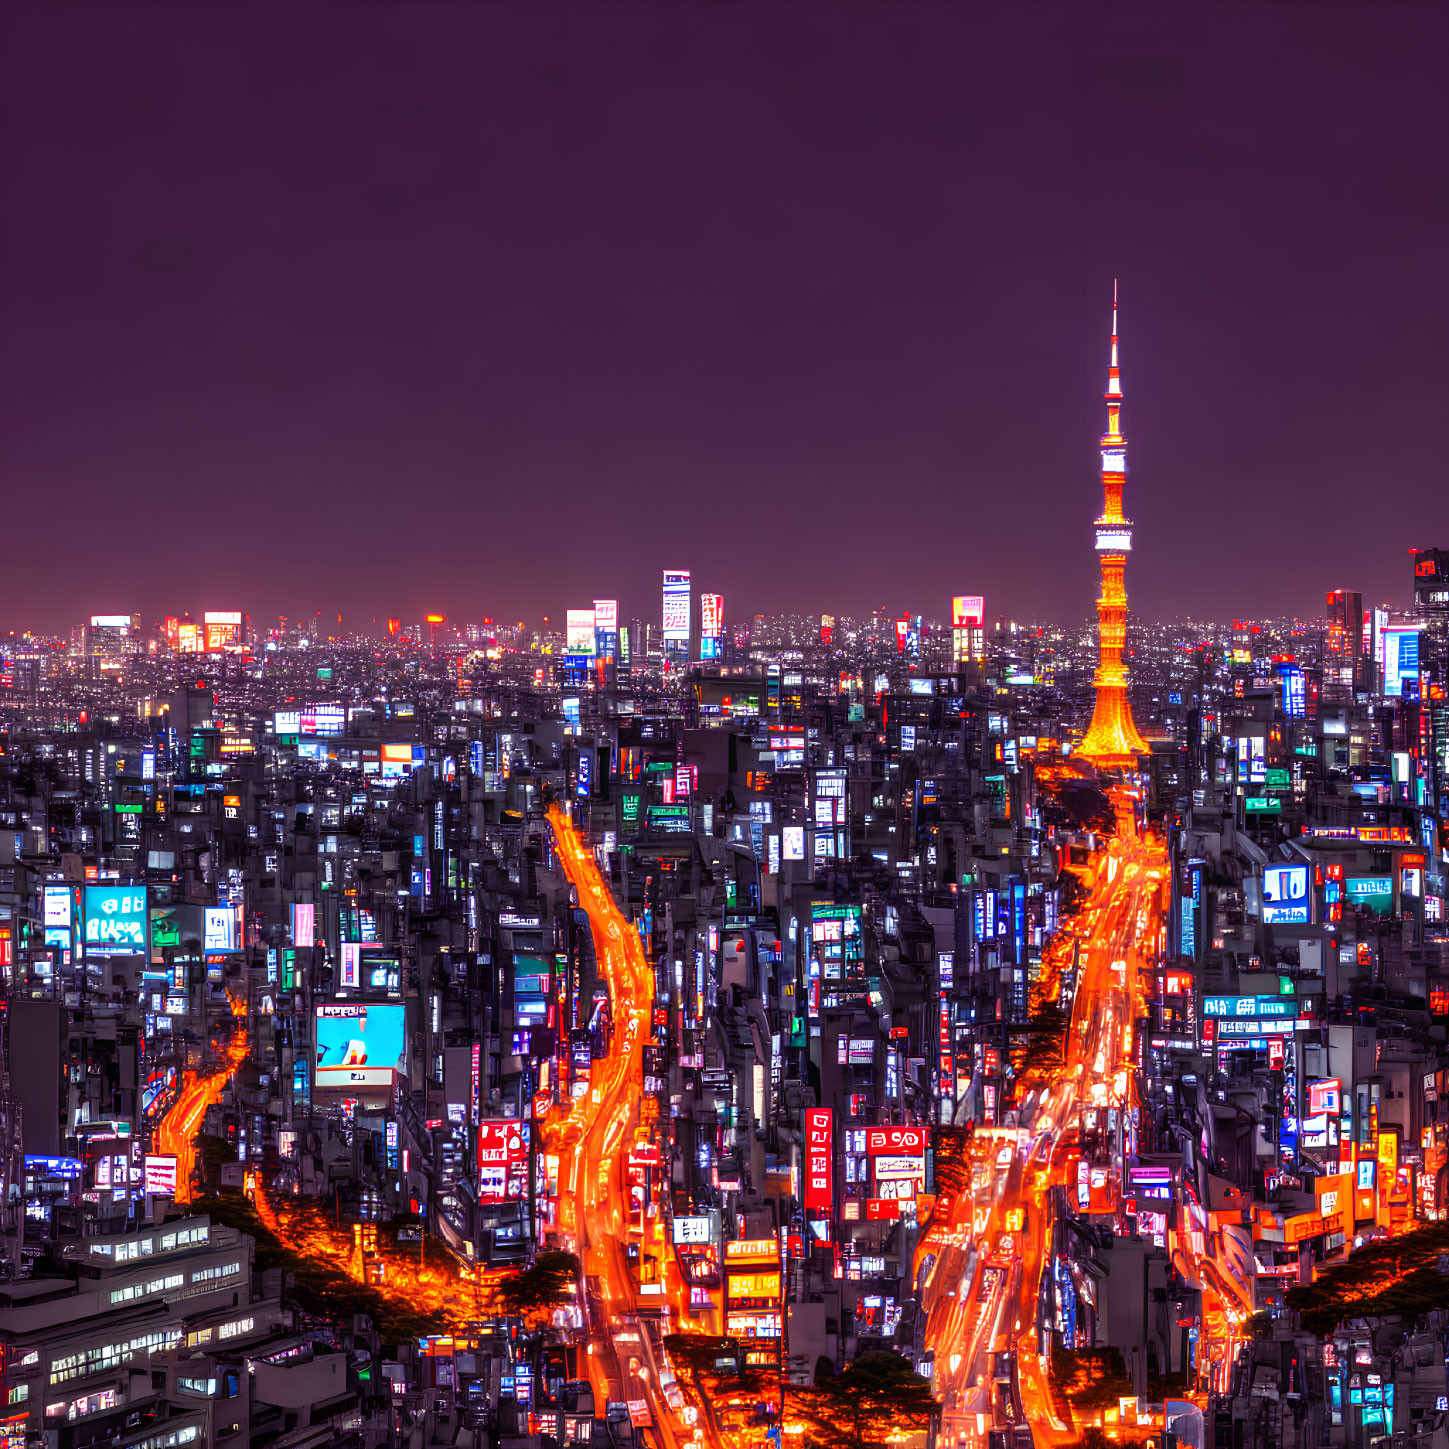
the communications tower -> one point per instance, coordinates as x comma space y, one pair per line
1112, 740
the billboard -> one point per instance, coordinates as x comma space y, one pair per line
712, 613
579, 632
160, 1169
349, 972
1401, 661
57, 902
115, 920
1285, 895
692, 1231
711, 625
606, 615
968, 611
502, 1162
819, 1162
221, 929
1371, 890
359, 1044
316, 719
1281, 1007
676, 606
880, 1141
222, 629
1292, 688
304, 925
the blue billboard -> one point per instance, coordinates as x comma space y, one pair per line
115, 920
359, 1044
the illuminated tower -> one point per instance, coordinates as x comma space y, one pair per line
1112, 739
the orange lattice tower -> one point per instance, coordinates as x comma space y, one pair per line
1112, 740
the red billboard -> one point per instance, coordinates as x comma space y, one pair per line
968, 611
819, 1161
711, 615
907, 1141
502, 1162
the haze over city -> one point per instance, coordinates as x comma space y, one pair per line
318, 312
724, 726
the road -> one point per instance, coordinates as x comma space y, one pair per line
993, 1241
175, 1133
593, 1141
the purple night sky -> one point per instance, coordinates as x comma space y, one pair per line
493, 309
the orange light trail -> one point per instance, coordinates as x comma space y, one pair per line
1005, 1211
176, 1131
592, 1141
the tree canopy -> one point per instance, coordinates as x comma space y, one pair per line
717, 1364
547, 1283
1089, 1378
318, 1287
1038, 1046
951, 1152
868, 1400
1392, 1277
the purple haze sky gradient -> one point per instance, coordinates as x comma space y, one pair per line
494, 309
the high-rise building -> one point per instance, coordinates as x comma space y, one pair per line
1345, 623
1431, 581
1112, 738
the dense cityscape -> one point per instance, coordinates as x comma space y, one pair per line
680, 1031
724, 726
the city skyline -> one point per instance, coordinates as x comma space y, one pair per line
293, 335
633, 815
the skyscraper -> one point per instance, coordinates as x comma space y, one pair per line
1112, 738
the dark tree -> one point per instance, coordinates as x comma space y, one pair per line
549, 1282
1089, 1378
1398, 1276
868, 1400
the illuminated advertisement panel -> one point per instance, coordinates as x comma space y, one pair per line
711, 625
890, 1167
903, 1141
746, 1290
359, 1044
579, 628
115, 920
606, 615
819, 1161
1401, 661
1370, 890
968, 611
1259, 1006
692, 1231
160, 1174
676, 605
1292, 687
1285, 895
502, 1162
220, 926
222, 629
304, 925
57, 902
752, 1250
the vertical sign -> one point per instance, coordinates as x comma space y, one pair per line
711, 625
819, 1162
304, 925
676, 606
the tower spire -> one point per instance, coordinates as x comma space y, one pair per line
1112, 739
